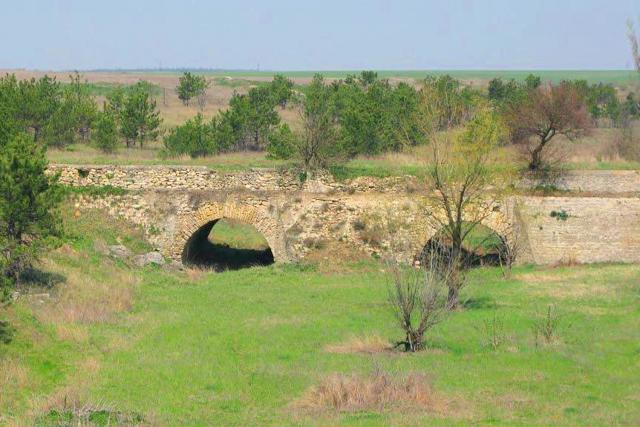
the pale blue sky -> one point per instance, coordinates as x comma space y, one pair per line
319, 35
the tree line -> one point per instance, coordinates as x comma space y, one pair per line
365, 115
59, 115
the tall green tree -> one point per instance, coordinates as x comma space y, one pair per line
139, 117
317, 146
75, 115
191, 86
105, 134
28, 205
281, 89
253, 117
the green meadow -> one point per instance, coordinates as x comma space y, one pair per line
160, 347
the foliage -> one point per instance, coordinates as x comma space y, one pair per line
547, 112
510, 93
603, 103
76, 114
373, 115
252, 118
28, 202
281, 90
561, 215
58, 115
316, 148
195, 138
191, 86
105, 135
282, 143
444, 104
138, 117
30, 104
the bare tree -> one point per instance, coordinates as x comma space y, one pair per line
417, 300
548, 112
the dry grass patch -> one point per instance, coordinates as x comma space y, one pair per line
85, 298
13, 376
368, 345
376, 392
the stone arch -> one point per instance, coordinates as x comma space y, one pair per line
202, 220
499, 221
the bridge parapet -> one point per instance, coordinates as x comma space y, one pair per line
595, 182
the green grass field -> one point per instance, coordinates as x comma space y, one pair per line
616, 77
240, 348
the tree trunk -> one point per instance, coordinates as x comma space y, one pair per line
454, 275
453, 299
536, 156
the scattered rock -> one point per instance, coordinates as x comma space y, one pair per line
119, 251
148, 258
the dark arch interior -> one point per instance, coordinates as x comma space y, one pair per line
224, 244
482, 247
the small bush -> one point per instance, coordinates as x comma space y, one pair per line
6, 332
416, 298
561, 215
493, 332
545, 326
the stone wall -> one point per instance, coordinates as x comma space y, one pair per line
382, 216
203, 178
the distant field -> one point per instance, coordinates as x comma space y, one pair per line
593, 76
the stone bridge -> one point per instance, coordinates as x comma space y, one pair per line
600, 220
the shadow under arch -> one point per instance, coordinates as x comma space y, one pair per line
482, 247
200, 251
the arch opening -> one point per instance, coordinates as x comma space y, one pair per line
481, 248
226, 244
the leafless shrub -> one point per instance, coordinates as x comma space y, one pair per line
202, 101
417, 299
508, 252
493, 332
375, 392
546, 325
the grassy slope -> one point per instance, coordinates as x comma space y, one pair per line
237, 348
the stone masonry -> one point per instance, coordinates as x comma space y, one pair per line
598, 220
